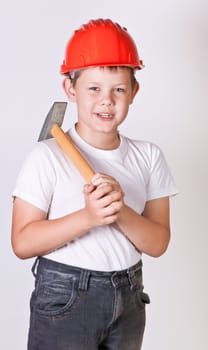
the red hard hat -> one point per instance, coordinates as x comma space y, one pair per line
100, 42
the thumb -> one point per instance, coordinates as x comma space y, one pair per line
88, 188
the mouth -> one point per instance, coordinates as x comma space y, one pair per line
105, 115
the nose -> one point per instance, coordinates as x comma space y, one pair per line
106, 98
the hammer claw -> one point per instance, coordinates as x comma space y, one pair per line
54, 116
52, 128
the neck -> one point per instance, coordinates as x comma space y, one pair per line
100, 140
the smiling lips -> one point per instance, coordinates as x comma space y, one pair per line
105, 115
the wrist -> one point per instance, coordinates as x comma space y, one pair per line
122, 214
86, 219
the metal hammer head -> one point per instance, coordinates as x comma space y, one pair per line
54, 116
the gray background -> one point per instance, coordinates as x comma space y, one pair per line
170, 110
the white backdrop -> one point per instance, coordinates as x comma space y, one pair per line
170, 110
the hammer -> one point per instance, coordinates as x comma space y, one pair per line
52, 127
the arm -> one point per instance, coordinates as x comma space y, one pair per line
33, 234
150, 232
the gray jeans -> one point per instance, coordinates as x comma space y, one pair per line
78, 309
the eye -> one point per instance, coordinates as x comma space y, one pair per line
119, 89
94, 88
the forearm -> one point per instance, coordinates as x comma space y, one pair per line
34, 235
148, 236
43, 236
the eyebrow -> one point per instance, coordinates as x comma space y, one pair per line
100, 83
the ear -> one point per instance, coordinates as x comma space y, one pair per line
134, 92
69, 89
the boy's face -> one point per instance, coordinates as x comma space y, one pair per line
103, 97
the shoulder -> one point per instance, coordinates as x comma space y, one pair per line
146, 150
41, 159
46, 150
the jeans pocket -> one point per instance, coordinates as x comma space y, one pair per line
142, 298
56, 293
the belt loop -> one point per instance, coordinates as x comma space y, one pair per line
34, 267
130, 275
84, 278
112, 279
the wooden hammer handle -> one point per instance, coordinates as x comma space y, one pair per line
66, 144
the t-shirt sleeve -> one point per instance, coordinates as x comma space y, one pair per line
161, 183
36, 179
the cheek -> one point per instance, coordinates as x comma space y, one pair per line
125, 104
124, 112
84, 104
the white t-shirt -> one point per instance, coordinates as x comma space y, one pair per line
49, 181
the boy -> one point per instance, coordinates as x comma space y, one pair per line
89, 238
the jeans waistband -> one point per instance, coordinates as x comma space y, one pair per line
115, 277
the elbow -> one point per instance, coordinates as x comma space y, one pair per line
161, 246
159, 251
19, 250
19, 253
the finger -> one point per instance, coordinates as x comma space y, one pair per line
101, 191
88, 188
110, 219
113, 196
112, 209
99, 179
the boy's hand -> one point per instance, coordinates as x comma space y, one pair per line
103, 200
